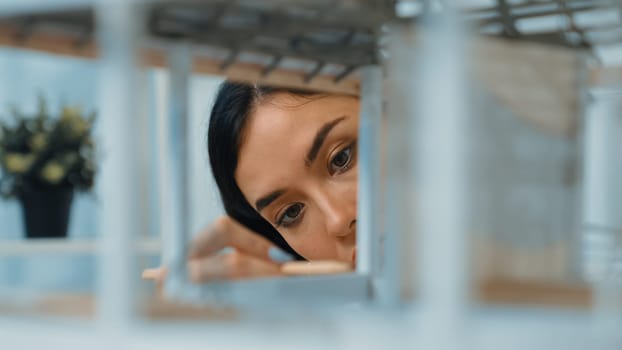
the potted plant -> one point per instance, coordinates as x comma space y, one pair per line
44, 158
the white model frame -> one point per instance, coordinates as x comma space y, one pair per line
439, 319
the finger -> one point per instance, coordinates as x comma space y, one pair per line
226, 232
209, 241
249, 242
157, 274
230, 266
322, 267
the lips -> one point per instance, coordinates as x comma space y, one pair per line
354, 257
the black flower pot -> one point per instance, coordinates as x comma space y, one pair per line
46, 211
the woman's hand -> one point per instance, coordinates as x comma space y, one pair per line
250, 255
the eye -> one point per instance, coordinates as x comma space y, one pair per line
342, 160
291, 215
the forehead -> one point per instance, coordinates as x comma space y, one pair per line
278, 134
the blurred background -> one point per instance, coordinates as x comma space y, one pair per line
490, 178
68, 81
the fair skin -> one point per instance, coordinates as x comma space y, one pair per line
298, 167
308, 194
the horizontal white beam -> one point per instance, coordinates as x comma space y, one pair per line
16, 248
490, 329
267, 294
20, 7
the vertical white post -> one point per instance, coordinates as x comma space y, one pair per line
440, 135
175, 189
123, 132
602, 206
370, 132
395, 261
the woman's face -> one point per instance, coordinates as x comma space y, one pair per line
298, 167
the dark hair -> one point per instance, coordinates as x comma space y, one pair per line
234, 104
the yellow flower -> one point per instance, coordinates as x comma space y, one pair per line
72, 117
38, 142
79, 127
71, 113
53, 172
18, 163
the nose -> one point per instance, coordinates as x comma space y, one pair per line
339, 213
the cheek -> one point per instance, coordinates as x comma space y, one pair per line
309, 246
311, 240
313, 243
348, 188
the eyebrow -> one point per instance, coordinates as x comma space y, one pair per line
264, 201
319, 139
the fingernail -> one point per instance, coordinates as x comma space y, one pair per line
278, 255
